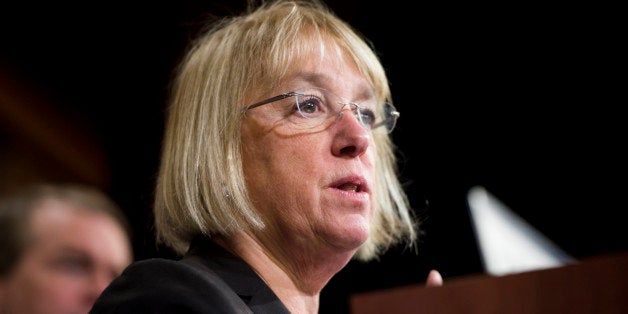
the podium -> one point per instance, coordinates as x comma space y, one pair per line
596, 285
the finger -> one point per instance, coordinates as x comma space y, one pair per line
434, 279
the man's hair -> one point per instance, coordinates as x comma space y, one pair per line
16, 210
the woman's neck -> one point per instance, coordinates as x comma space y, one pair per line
297, 284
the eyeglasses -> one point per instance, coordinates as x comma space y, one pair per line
314, 109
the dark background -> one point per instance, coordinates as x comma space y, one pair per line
524, 99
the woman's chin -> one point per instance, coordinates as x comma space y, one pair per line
351, 236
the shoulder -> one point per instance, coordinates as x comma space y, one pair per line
161, 285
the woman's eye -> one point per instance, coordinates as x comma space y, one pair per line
310, 105
367, 116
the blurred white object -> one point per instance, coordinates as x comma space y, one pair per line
507, 243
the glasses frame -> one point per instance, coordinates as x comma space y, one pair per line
394, 113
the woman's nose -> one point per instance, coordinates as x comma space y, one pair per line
350, 109
351, 138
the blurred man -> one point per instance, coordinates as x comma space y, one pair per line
60, 246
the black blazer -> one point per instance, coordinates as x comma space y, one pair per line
208, 279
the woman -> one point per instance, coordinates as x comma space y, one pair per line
277, 168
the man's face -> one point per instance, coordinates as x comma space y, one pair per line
71, 256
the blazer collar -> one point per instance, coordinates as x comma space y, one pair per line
237, 274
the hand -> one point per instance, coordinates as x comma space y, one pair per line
434, 279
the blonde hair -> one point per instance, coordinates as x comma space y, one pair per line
201, 187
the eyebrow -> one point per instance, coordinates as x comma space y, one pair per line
68, 250
319, 80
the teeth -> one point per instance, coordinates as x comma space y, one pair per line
349, 187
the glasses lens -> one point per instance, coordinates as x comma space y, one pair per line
312, 108
390, 118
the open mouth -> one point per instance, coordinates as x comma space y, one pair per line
350, 187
